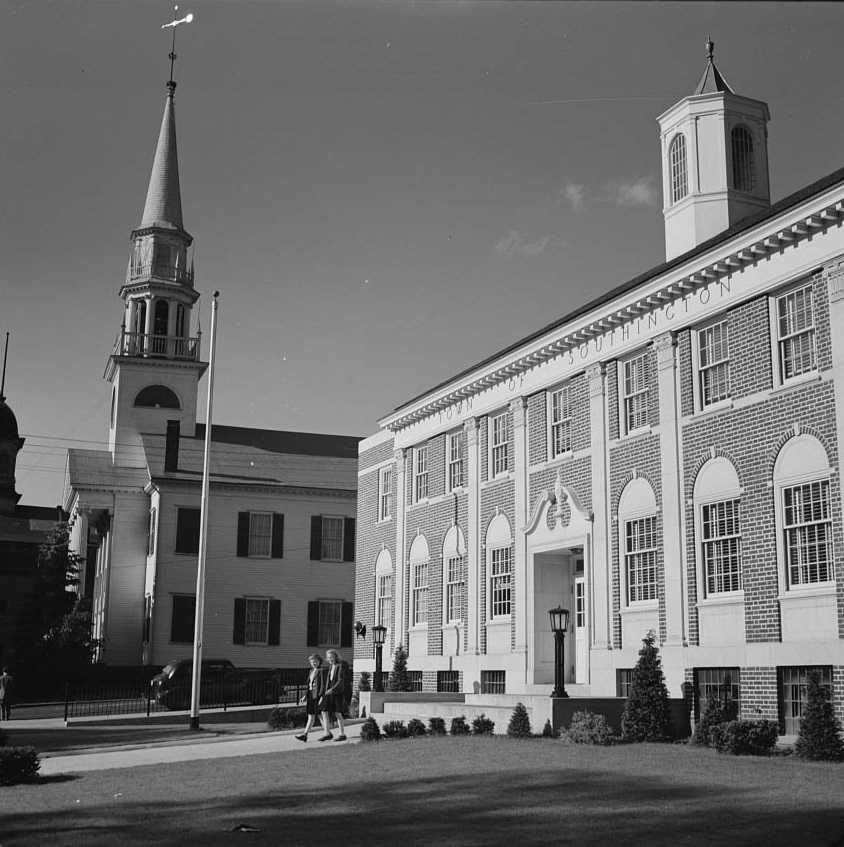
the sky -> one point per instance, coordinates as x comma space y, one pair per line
384, 193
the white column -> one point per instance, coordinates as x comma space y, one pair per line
599, 577
520, 468
672, 488
401, 508
473, 540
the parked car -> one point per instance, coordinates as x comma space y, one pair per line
221, 683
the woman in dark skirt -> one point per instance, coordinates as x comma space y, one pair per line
313, 699
334, 701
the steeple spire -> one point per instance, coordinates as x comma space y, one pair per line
163, 207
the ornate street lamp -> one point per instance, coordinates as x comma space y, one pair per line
559, 625
379, 632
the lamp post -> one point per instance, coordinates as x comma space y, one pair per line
559, 625
380, 634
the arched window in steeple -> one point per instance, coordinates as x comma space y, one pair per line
744, 164
157, 397
678, 162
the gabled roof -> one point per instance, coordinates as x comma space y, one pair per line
95, 469
281, 441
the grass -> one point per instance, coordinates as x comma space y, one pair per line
443, 791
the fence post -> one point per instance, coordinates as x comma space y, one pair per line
66, 699
149, 695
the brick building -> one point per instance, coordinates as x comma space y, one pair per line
279, 576
664, 458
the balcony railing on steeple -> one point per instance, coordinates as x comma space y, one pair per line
157, 346
158, 270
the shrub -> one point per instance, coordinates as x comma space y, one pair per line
436, 726
820, 729
745, 738
369, 730
4, 739
459, 726
482, 725
647, 715
365, 681
588, 728
548, 730
519, 726
399, 678
18, 764
415, 728
287, 717
713, 715
395, 729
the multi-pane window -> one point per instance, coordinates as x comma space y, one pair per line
420, 474
332, 538
455, 589
493, 682
796, 333
714, 363
635, 390
384, 600
721, 535
260, 534
623, 681
420, 593
679, 168
448, 681
640, 559
455, 461
385, 494
257, 620
329, 622
808, 533
499, 444
792, 694
722, 684
561, 410
500, 583
744, 165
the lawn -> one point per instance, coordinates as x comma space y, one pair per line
441, 791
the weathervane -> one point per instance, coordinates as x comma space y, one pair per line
174, 23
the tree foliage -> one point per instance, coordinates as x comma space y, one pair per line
647, 715
820, 729
399, 678
519, 726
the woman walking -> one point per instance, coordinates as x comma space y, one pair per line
314, 696
334, 701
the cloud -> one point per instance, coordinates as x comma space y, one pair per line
515, 245
638, 193
574, 195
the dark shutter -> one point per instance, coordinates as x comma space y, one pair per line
275, 623
316, 538
313, 623
243, 533
239, 634
147, 617
349, 540
182, 621
346, 625
278, 536
187, 530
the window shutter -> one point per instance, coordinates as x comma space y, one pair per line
275, 623
313, 623
187, 530
243, 533
239, 635
316, 538
346, 625
278, 536
349, 540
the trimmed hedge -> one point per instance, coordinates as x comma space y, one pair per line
519, 726
482, 725
18, 764
395, 729
588, 728
287, 717
436, 726
459, 726
745, 738
369, 730
415, 728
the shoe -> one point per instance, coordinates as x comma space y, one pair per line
340, 738
327, 737
302, 738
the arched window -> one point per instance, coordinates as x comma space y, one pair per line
717, 498
804, 513
157, 397
638, 542
384, 589
499, 547
454, 576
140, 323
419, 563
744, 165
161, 318
679, 168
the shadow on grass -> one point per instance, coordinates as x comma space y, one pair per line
520, 807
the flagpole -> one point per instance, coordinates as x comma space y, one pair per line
203, 533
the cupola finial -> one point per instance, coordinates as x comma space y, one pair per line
171, 83
710, 49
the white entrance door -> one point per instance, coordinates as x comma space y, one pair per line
581, 644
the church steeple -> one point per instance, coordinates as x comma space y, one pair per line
155, 366
714, 161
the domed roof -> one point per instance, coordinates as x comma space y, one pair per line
8, 421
